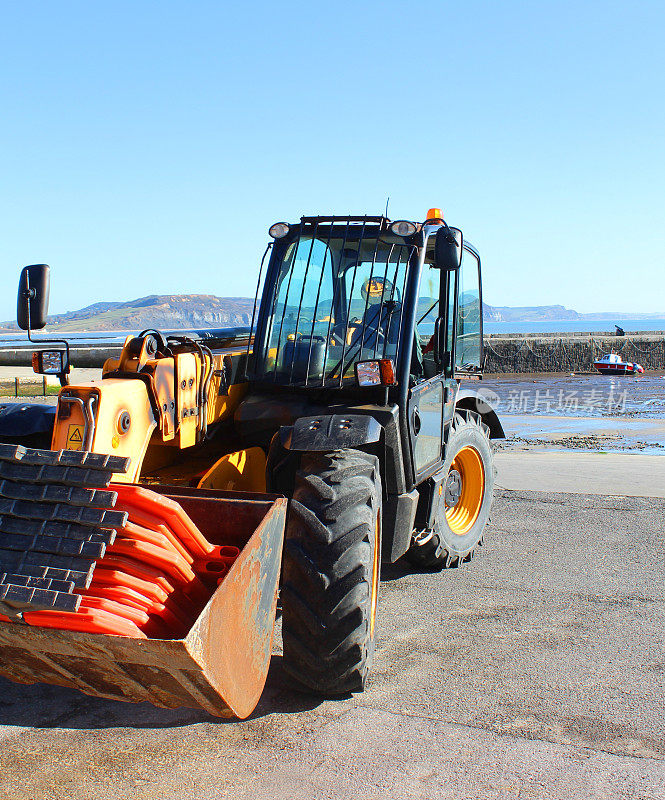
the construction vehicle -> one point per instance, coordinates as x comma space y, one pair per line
344, 398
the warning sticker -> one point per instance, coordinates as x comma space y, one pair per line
75, 437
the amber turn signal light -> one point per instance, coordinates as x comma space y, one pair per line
387, 372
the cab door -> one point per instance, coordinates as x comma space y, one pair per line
468, 317
426, 426
449, 323
426, 398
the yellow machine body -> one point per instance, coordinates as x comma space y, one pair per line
112, 417
150, 407
242, 471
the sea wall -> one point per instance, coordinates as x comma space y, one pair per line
83, 356
564, 352
570, 352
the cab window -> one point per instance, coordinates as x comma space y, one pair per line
468, 350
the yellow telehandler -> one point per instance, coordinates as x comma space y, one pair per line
145, 530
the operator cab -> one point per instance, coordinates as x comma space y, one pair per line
335, 297
346, 290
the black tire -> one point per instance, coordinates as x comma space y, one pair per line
450, 542
331, 571
281, 468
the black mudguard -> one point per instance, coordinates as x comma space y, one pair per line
29, 424
324, 433
474, 401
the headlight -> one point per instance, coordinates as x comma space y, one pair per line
48, 362
279, 230
376, 373
403, 228
368, 373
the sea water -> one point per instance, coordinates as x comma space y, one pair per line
575, 326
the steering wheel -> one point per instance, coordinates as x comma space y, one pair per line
338, 334
378, 330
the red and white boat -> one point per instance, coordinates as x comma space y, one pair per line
611, 364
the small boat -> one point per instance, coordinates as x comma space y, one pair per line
611, 364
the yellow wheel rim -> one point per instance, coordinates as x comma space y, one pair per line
376, 566
464, 513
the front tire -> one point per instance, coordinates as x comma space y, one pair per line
331, 572
466, 498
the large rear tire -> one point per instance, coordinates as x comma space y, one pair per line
465, 501
331, 572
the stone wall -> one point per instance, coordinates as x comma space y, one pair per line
550, 353
81, 356
570, 352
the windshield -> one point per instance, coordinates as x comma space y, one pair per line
336, 300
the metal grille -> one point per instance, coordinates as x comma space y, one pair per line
337, 298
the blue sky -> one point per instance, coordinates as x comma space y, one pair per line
147, 147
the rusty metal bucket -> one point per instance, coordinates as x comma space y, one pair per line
221, 664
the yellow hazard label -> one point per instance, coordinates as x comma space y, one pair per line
75, 437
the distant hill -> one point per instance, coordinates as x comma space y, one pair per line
556, 314
155, 311
171, 311
528, 313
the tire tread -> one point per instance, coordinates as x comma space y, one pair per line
327, 577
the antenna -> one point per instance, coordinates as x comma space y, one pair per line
387, 201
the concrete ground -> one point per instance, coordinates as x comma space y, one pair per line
534, 671
591, 472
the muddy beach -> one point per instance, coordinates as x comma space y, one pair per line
580, 412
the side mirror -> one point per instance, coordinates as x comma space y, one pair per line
448, 248
51, 362
33, 296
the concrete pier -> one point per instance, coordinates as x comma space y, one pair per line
565, 352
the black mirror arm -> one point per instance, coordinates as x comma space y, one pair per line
28, 294
450, 235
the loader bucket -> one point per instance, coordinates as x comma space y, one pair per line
220, 665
